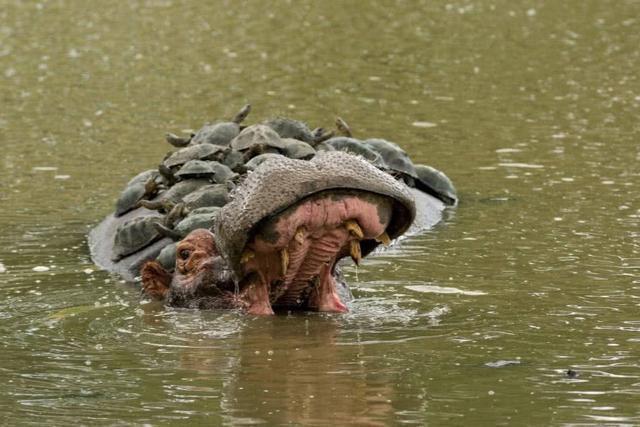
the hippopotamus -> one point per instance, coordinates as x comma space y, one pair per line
276, 244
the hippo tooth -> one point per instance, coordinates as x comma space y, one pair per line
356, 251
284, 260
299, 236
247, 255
354, 228
384, 239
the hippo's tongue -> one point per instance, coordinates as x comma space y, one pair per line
289, 260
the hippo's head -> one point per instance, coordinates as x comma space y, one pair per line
277, 242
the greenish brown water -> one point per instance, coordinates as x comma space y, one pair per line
532, 108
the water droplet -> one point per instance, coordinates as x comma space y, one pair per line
40, 268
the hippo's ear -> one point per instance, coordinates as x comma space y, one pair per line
155, 280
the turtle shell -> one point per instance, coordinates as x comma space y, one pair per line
167, 256
258, 160
217, 134
135, 191
296, 149
196, 169
135, 234
290, 128
254, 135
432, 181
357, 147
222, 172
209, 195
194, 221
234, 160
394, 157
194, 152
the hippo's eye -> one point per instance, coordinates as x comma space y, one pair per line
184, 254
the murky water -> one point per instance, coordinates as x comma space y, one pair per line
530, 107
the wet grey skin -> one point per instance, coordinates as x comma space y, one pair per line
221, 133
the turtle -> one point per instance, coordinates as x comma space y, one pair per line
434, 182
166, 200
136, 190
221, 133
187, 225
257, 139
134, 235
396, 159
196, 169
176, 214
209, 195
296, 149
291, 128
234, 160
357, 147
177, 141
222, 173
194, 152
259, 159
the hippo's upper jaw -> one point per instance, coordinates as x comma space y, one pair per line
282, 234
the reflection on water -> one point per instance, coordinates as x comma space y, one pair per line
530, 108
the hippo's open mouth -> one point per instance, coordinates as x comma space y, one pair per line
289, 261
277, 242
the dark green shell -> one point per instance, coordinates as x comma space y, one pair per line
194, 221
167, 256
135, 234
258, 160
295, 149
217, 134
210, 195
261, 135
194, 152
290, 128
135, 191
434, 182
357, 147
394, 157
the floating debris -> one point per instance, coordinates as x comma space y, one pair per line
424, 124
501, 363
521, 165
